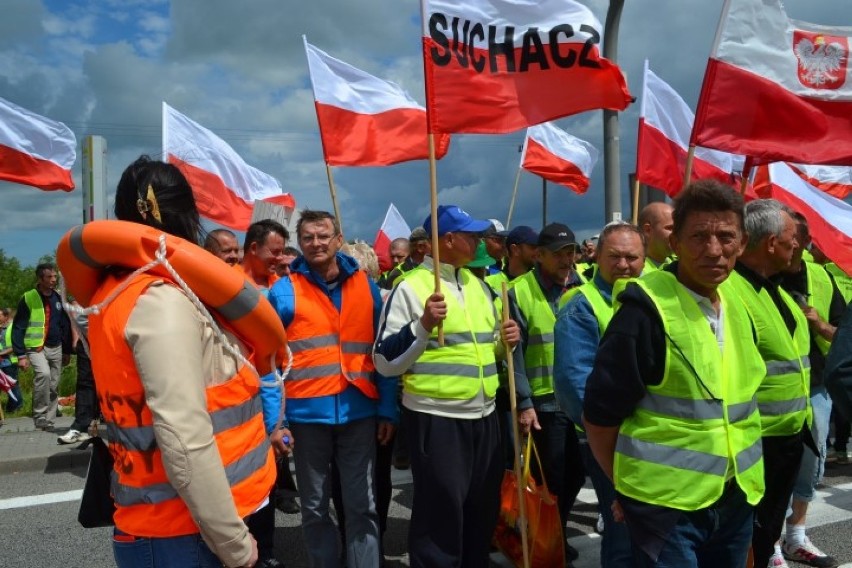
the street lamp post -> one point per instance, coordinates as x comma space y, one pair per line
612, 162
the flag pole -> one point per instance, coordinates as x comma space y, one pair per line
687, 175
635, 215
514, 196
516, 439
433, 193
333, 197
747, 166
543, 202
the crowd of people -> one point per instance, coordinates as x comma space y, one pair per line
684, 365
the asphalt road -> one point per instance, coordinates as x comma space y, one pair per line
38, 523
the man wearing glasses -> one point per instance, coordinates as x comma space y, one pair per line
448, 395
338, 407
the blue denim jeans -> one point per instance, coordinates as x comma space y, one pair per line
176, 552
616, 549
813, 467
715, 537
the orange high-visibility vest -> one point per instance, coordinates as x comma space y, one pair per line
147, 504
331, 348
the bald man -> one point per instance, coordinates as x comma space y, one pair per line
655, 221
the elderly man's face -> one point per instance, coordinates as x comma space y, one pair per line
707, 247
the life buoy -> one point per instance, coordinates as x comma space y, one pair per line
87, 250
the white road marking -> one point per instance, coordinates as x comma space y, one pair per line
46, 499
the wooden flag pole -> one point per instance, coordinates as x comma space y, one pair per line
333, 197
687, 175
747, 166
513, 405
433, 193
635, 215
514, 196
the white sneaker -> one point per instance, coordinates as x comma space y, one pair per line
73, 437
777, 561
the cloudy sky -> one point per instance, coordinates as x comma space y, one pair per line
238, 67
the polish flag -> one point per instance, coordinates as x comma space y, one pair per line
829, 218
777, 89
393, 227
555, 155
496, 66
224, 186
834, 180
665, 122
35, 150
364, 120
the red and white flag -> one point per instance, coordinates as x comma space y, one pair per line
665, 123
393, 227
829, 218
364, 120
495, 66
777, 89
834, 180
35, 150
557, 156
224, 186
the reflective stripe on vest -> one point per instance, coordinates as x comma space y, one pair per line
6, 342
331, 348
468, 351
538, 355
783, 395
682, 442
820, 292
148, 504
35, 332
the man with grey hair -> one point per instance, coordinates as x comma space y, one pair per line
783, 341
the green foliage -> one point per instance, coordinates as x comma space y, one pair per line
14, 280
67, 386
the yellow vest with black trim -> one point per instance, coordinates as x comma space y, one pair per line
784, 395
700, 426
495, 281
600, 307
843, 280
35, 333
466, 363
6, 342
538, 356
820, 292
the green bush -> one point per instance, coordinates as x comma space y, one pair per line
67, 386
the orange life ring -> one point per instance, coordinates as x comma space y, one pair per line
85, 251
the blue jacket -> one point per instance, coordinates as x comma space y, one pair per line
351, 404
576, 337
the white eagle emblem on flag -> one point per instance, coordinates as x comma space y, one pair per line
822, 59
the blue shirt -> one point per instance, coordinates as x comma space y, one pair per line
576, 338
351, 404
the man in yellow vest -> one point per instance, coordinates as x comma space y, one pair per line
655, 221
534, 298
448, 396
41, 338
418, 246
8, 361
520, 256
583, 316
821, 302
670, 409
783, 341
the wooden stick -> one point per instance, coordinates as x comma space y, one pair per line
635, 215
747, 166
433, 193
514, 196
334, 197
687, 175
513, 404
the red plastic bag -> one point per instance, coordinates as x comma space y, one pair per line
544, 526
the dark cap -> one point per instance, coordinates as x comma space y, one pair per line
418, 234
556, 236
454, 219
522, 235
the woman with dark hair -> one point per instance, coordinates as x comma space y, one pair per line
179, 394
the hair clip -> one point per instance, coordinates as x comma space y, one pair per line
149, 205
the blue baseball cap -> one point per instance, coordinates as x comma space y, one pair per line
454, 219
522, 235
